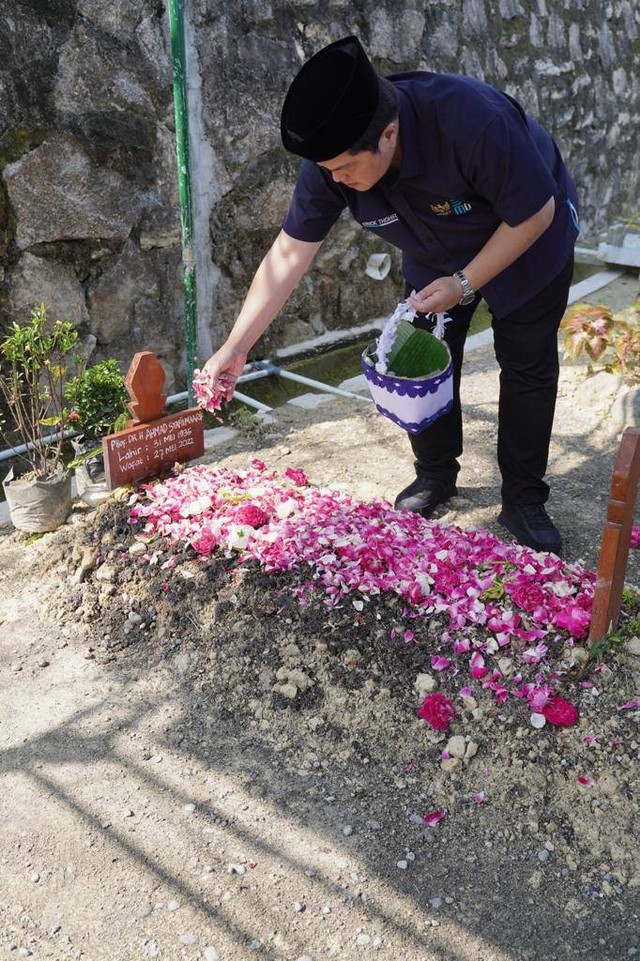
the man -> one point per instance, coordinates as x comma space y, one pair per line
477, 197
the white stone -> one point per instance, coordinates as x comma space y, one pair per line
456, 746
632, 647
450, 764
425, 683
218, 435
310, 401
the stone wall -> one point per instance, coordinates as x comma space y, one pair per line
89, 216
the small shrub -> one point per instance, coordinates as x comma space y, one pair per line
98, 399
35, 359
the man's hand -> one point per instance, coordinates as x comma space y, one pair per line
225, 366
440, 295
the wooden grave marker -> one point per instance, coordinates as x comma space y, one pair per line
616, 537
152, 443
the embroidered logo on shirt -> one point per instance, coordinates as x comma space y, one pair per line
382, 222
451, 207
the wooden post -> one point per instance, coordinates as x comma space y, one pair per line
144, 383
616, 537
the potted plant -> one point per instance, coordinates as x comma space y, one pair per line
98, 399
34, 360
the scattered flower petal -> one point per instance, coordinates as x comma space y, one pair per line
431, 820
366, 549
439, 663
478, 670
630, 705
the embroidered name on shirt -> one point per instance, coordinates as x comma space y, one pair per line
382, 222
451, 207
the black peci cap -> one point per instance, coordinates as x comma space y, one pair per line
330, 102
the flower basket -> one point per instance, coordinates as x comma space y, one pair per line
416, 388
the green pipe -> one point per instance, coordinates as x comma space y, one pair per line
178, 56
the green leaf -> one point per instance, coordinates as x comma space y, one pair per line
416, 353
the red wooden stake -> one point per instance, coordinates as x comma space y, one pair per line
151, 443
144, 383
616, 537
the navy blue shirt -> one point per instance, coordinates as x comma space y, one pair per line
471, 158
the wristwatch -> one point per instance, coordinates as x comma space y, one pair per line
468, 293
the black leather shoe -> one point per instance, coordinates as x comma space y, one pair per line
424, 495
531, 525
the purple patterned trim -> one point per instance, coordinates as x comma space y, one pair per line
405, 386
422, 425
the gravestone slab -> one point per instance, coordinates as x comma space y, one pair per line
152, 443
147, 450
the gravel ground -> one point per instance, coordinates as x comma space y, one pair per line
161, 796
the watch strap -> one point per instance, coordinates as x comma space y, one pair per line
468, 293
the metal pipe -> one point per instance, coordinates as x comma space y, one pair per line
178, 57
178, 398
23, 448
251, 402
327, 388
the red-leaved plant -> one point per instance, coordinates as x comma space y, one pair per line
612, 339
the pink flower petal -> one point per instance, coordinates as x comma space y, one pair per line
586, 781
476, 662
431, 820
479, 798
439, 663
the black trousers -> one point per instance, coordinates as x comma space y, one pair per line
526, 348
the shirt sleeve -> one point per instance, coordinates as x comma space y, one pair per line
508, 170
315, 206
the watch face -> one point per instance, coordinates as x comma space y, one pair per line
468, 299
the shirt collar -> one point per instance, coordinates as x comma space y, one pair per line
412, 163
